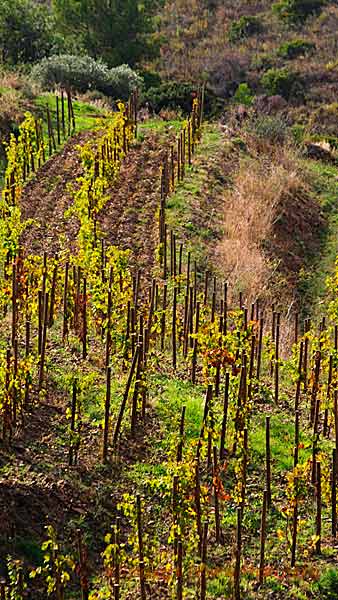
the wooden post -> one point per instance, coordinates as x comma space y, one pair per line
106, 416
63, 120
277, 360
268, 460
296, 447
179, 570
237, 571
125, 397
216, 499
225, 417
44, 341
294, 524
65, 304
262, 539
27, 352
181, 438
84, 320
174, 349
52, 296
334, 493
203, 588
319, 509
58, 120
140, 548
72, 424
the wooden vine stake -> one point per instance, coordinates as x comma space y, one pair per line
106, 416
268, 460
203, 581
263, 539
225, 417
334, 493
44, 341
71, 455
140, 549
83, 566
294, 523
84, 320
238, 552
125, 397
179, 570
319, 508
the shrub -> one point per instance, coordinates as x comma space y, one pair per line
244, 27
176, 95
150, 79
328, 585
244, 95
295, 11
280, 82
324, 120
295, 48
271, 129
83, 73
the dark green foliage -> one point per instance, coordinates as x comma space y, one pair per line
118, 31
244, 27
26, 31
295, 11
150, 79
177, 95
83, 73
328, 585
295, 48
280, 81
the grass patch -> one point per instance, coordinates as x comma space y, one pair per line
313, 283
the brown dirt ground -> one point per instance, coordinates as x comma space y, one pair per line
128, 220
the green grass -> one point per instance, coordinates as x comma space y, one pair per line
314, 281
87, 116
180, 213
158, 125
172, 395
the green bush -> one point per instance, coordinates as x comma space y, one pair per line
83, 73
328, 585
177, 95
244, 27
150, 79
244, 95
280, 81
295, 11
295, 48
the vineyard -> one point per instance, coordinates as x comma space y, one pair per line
168, 429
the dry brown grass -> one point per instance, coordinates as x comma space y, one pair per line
251, 209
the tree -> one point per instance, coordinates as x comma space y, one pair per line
118, 31
296, 11
26, 31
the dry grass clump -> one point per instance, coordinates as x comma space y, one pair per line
11, 108
26, 87
251, 210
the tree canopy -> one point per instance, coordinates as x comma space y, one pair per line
118, 31
26, 31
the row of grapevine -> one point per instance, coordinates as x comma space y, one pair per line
211, 496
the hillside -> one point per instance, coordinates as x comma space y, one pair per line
169, 301
231, 43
